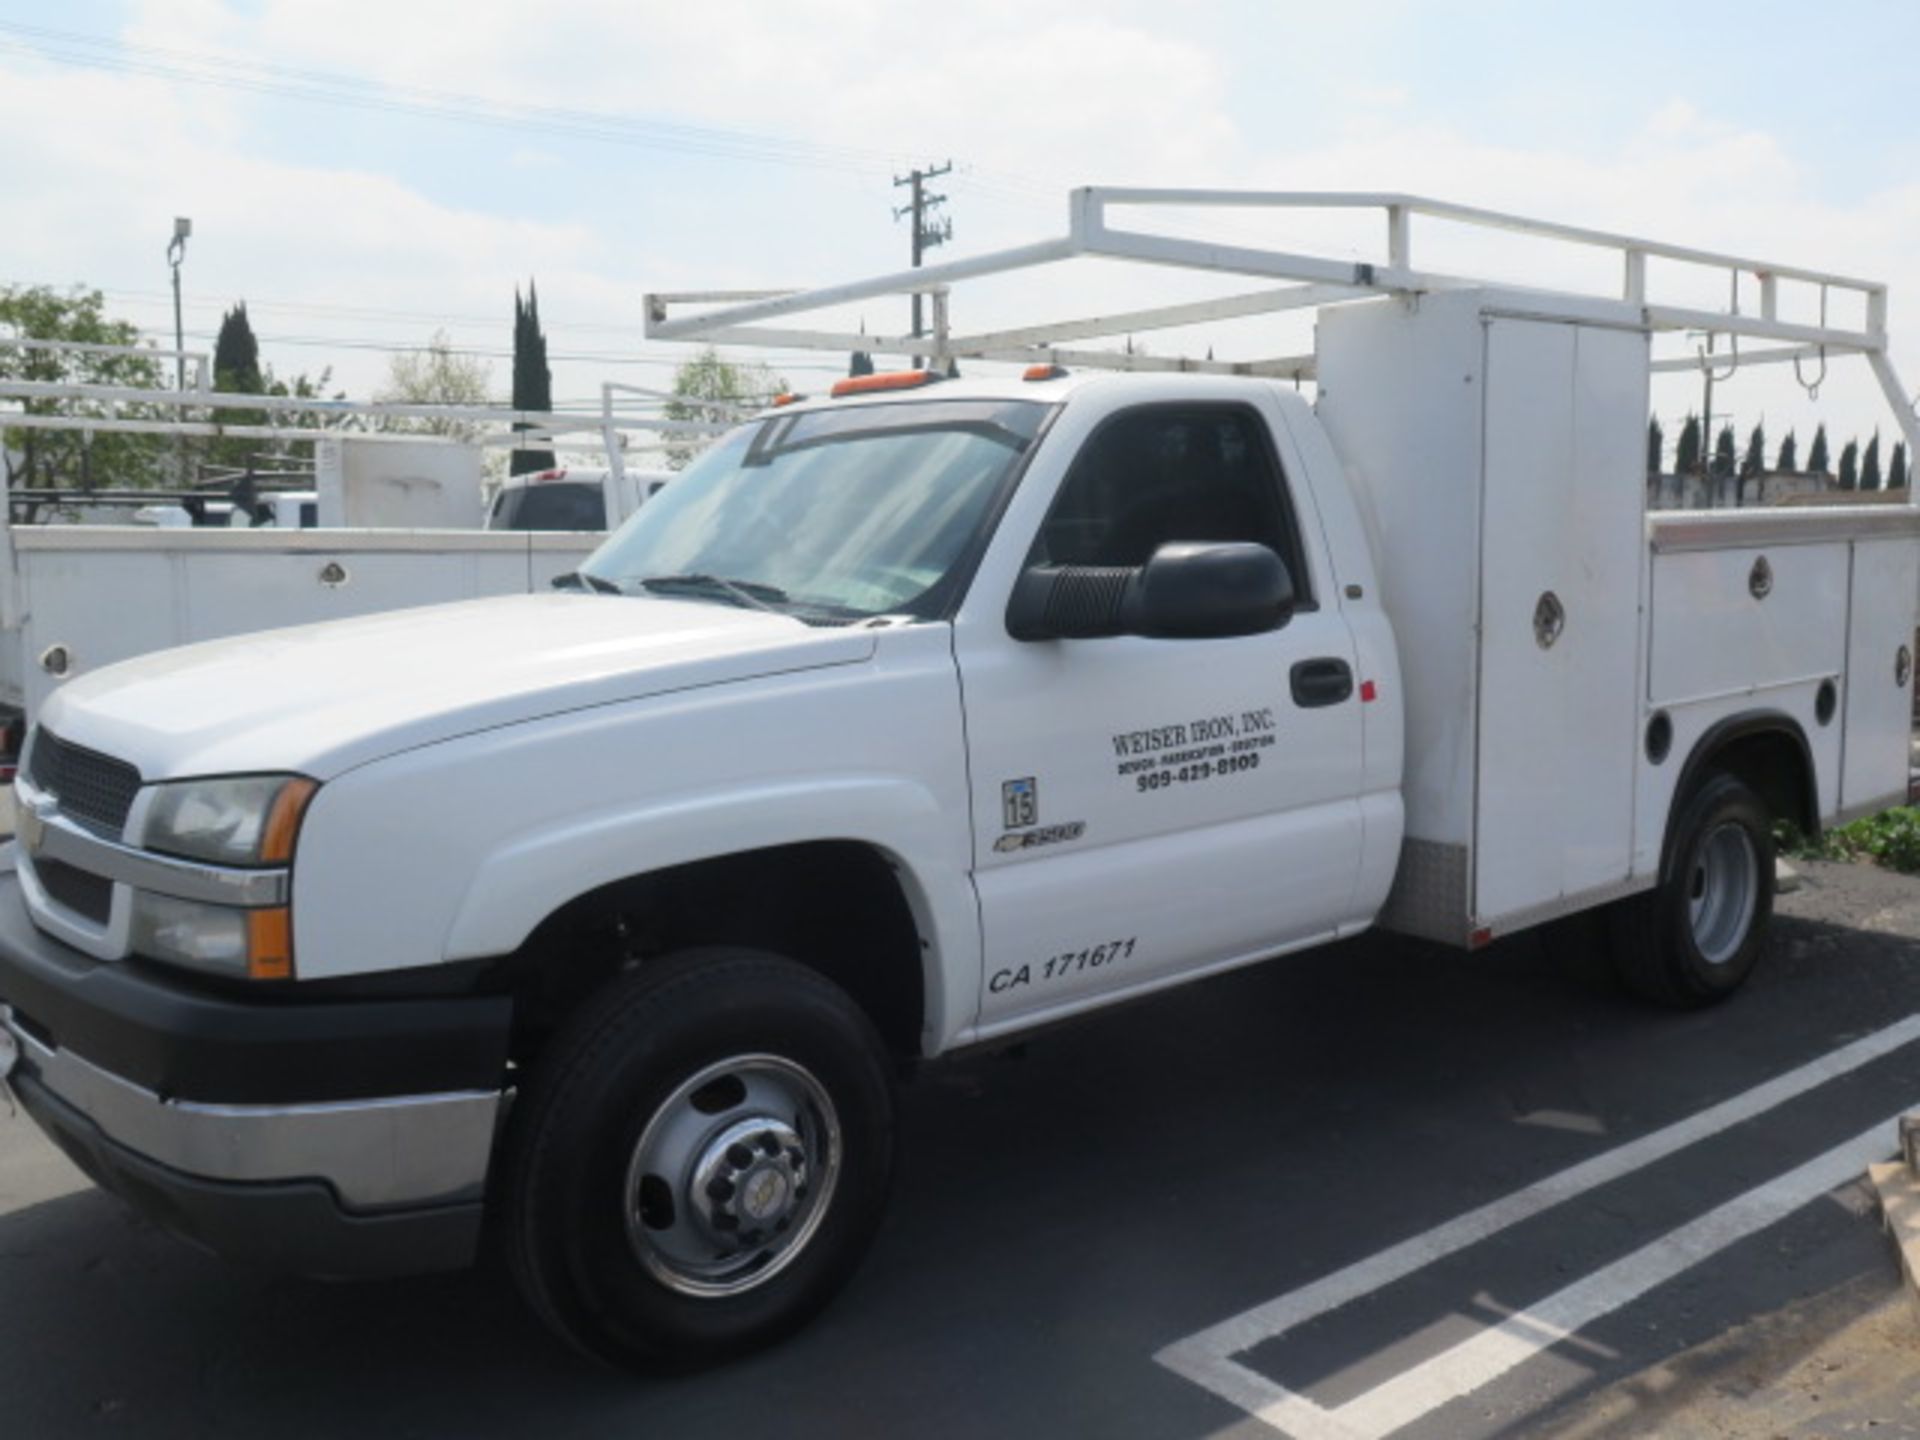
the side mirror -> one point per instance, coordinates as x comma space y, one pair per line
1189, 590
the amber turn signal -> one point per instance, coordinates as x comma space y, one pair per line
270, 944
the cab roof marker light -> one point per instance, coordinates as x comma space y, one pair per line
888, 380
1045, 372
789, 398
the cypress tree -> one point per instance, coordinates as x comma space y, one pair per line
1897, 470
1723, 452
1656, 445
1755, 460
236, 367
1850, 466
1870, 464
1686, 454
532, 380
236, 354
1817, 456
1788, 463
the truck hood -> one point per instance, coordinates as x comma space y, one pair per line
321, 699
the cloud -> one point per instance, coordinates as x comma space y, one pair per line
113, 158
1027, 101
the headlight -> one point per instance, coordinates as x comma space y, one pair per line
241, 820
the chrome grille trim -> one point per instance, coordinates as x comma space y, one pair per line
45, 831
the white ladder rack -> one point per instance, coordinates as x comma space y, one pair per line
737, 317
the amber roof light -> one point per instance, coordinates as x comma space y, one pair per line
889, 380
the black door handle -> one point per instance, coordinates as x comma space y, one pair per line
1321, 682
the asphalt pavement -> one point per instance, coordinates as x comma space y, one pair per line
1375, 1189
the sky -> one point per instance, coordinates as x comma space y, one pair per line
364, 174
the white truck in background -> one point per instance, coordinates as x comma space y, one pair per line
77, 598
397, 525
573, 497
910, 718
392, 521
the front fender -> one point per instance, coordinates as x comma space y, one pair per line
458, 850
534, 873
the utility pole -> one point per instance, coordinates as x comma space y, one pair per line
929, 229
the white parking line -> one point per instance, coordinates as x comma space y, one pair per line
1206, 1357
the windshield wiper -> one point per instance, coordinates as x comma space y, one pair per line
750, 594
581, 580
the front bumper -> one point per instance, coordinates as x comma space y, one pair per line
322, 1137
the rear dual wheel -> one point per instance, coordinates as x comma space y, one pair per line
700, 1160
1696, 938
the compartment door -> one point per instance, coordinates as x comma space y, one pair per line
1879, 696
1562, 511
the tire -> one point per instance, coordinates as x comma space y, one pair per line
1695, 939
718, 1100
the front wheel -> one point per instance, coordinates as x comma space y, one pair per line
1695, 939
700, 1160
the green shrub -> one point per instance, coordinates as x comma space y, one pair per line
1891, 838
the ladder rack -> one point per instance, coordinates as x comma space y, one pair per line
738, 317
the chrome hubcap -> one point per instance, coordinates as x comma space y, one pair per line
732, 1175
1722, 891
750, 1179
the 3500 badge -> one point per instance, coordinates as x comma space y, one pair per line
1045, 835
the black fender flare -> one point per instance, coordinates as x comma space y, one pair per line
1728, 731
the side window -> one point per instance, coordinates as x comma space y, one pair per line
1166, 473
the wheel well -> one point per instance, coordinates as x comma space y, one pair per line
835, 906
1768, 754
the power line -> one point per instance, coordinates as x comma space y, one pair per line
336, 88
324, 342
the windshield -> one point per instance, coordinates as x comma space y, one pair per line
830, 515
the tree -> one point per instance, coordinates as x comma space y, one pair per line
1723, 453
1897, 470
1755, 460
1656, 445
859, 363
69, 457
236, 354
436, 375
713, 391
1850, 466
1817, 456
236, 368
1686, 454
1788, 463
532, 379
1870, 464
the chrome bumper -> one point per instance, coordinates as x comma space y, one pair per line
401, 1152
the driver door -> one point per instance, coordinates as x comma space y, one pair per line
1145, 809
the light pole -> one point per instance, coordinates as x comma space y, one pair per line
176, 252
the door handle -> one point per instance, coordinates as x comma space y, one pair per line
1324, 681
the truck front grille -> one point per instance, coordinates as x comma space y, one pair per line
84, 893
95, 790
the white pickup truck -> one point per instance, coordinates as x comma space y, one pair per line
906, 719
